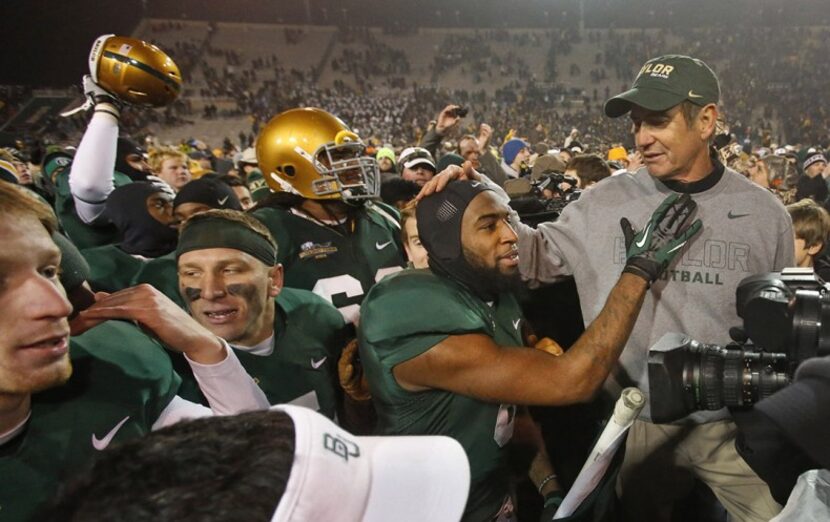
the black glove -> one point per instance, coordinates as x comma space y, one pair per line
651, 250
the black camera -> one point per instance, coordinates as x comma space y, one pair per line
534, 205
459, 112
786, 320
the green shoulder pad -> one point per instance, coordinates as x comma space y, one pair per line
414, 302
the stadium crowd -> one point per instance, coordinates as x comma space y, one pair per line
380, 261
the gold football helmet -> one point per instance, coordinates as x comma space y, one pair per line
314, 154
134, 71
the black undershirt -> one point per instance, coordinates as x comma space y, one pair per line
701, 185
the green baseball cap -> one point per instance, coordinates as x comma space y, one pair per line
54, 159
666, 81
256, 184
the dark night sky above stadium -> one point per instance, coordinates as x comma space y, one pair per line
45, 42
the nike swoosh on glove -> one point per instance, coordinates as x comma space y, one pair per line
651, 250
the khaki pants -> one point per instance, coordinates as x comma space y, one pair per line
661, 462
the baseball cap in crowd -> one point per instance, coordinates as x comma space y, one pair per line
338, 476
8, 172
666, 81
55, 160
447, 160
511, 148
208, 192
386, 152
814, 156
617, 154
248, 157
412, 156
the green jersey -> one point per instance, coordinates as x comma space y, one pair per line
82, 234
110, 268
121, 382
309, 335
163, 274
339, 268
404, 316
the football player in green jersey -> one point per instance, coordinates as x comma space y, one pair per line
458, 365
334, 238
288, 339
64, 399
142, 212
121, 70
197, 196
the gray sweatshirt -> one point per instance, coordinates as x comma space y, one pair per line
746, 230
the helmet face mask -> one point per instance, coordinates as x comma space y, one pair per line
346, 171
312, 153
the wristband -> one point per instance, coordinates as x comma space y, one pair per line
109, 108
545, 481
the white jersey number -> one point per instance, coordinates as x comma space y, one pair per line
350, 287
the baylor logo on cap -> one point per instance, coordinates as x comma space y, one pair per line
341, 447
657, 70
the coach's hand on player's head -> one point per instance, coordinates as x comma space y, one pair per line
440, 180
159, 316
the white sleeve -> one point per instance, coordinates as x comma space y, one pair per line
227, 386
178, 410
90, 178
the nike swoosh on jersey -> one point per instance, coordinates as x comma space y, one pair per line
642, 242
693, 95
101, 444
316, 364
516, 323
730, 215
221, 201
381, 246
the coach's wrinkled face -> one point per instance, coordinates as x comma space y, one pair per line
673, 144
230, 293
34, 345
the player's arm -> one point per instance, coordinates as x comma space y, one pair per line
91, 175
474, 365
221, 377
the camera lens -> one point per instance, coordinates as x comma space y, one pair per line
718, 376
709, 370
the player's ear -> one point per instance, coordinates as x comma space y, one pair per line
815, 249
275, 280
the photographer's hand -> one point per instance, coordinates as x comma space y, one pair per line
651, 250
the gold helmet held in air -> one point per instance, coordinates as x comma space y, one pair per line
134, 71
312, 153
